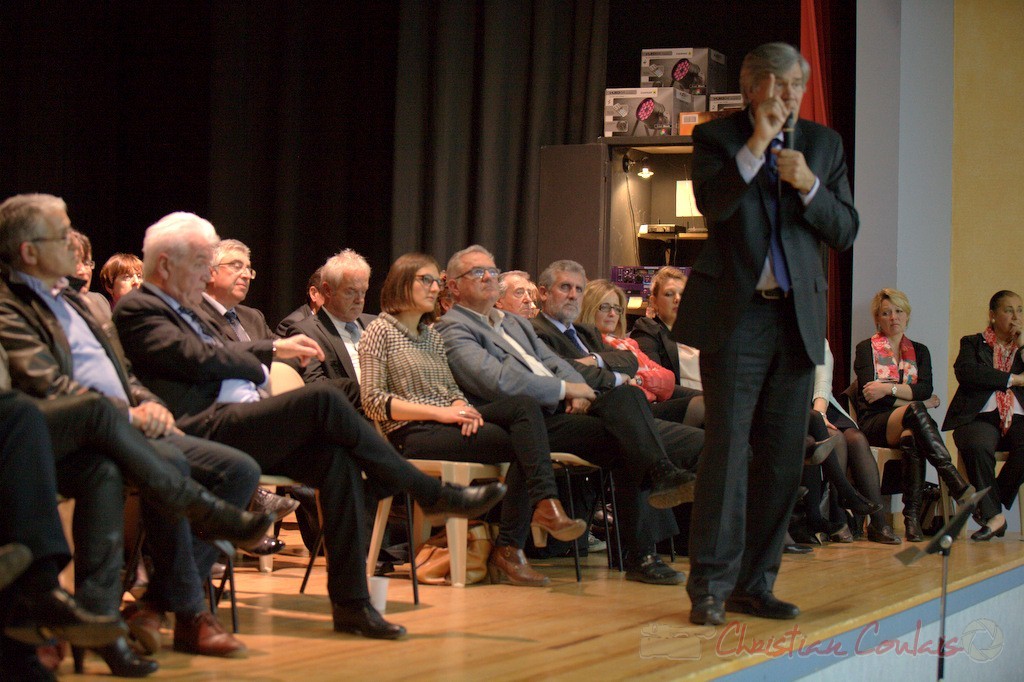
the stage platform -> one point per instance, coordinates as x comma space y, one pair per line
865, 616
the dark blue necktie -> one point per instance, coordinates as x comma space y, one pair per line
236, 325
571, 333
778, 257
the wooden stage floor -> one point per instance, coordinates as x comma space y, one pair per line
603, 628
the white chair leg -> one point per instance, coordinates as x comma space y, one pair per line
457, 529
380, 523
267, 564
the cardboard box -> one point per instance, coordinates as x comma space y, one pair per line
730, 102
695, 72
640, 112
690, 119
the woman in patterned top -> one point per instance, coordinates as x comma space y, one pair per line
407, 387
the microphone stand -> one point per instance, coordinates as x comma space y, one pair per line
941, 544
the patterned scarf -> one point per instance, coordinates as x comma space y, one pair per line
886, 368
1002, 359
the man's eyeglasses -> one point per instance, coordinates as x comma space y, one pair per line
429, 280
238, 267
63, 237
608, 307
478, 273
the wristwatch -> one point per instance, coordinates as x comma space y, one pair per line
894, 390
273, 350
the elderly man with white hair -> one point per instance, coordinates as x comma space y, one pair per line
216, 389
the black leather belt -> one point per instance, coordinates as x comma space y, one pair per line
776, 294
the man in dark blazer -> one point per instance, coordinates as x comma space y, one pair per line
216, 389
315, 300
340, 321
495, 355
755, 307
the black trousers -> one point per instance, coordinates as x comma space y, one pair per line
756, 391
978, 442
314, 435
514, 431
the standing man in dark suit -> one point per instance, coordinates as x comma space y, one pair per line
755, 307
339, 324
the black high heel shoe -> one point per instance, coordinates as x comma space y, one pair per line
985, 533
119, 657
858, 504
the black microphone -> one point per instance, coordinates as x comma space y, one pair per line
787, 131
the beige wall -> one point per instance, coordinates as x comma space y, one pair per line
988, 162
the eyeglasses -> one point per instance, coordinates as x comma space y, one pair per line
64, 237
238, 267
608, 307
428, 280
478, 273
89, 264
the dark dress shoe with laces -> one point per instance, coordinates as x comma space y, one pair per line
361, 618
652, 570
764, 605
267, 546
37, 617
708, 610
884, 535
463, 502
268, 503
985, 533
671, 486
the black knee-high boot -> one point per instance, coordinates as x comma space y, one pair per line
931, 445
912, 475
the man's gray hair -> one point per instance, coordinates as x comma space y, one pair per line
344, 262
547, 278
21, 217
175, 235
502, 287
455, 262
227, 246
776, 58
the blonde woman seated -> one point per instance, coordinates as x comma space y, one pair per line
653, 333
604, 306
408, 388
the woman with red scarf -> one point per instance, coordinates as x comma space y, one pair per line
895, 379
986, 414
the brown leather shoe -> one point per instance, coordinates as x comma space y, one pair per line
144, 623
549, 518
203, 634
508, 562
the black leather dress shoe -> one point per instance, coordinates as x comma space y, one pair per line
707, 610
884, 535
38, 617
985, 533
764, 605
269, 545
797, 549
468, 502
671, 488
652, 570
362, 619
267, 502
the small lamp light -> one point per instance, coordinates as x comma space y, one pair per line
686, 203
645, 171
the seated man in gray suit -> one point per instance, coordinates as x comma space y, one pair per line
494, 355
338, 325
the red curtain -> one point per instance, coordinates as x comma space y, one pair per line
816, 106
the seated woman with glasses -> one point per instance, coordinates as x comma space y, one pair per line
604, 306
120, 274
409, 390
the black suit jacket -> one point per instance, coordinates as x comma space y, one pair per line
284, 327
337, 363
174, 361
978, 379
599, 378
39, 353
655, 340
251, 319
724, 276
864, 369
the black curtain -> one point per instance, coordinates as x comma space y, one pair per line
481, 87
